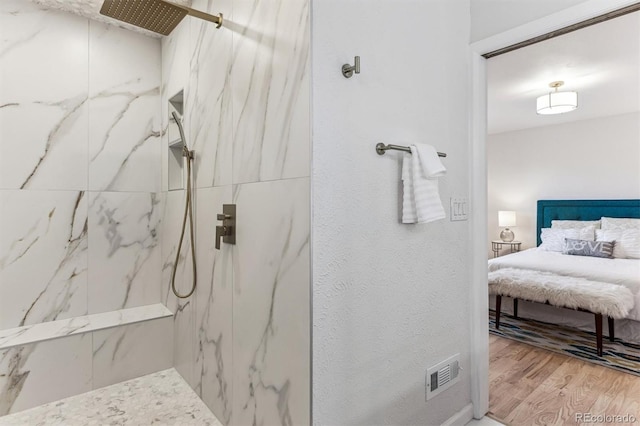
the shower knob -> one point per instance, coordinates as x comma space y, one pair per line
227, 231
221, 232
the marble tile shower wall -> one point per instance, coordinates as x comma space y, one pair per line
243, 341
79, 166
80, 201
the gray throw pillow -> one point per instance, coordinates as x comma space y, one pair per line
588, 248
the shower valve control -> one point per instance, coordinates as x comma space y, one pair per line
227, 231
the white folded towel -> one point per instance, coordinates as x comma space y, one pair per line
420, 171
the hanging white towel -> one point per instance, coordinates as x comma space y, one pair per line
420, 171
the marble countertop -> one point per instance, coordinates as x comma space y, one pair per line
162, 398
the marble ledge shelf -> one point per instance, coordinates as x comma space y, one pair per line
68, 327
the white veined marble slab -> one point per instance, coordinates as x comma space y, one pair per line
67, 327
159, 398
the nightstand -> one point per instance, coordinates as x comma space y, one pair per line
496, 246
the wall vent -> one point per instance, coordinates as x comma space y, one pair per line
442, 376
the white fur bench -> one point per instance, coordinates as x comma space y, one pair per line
601, 299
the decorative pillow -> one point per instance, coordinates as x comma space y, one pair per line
627, 242
553, 239
588, 248
609, 223
571, 224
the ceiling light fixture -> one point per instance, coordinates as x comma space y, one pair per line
557, 102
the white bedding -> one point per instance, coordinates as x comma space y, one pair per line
624, 272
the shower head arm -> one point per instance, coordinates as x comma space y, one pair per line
202, 15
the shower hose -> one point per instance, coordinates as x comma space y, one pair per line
188, 211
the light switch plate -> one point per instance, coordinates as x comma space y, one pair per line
459, 209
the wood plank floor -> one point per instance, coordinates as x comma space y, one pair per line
532, 386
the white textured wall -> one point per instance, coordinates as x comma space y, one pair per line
591, 159
491, 17
389, 300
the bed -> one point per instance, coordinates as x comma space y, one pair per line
621, 272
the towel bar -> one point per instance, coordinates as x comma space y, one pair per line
381, 148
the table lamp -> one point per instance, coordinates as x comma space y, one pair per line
506, 219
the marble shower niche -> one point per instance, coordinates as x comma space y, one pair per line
175, 144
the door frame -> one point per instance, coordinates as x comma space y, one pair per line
478, 183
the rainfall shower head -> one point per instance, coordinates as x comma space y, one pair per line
158, 16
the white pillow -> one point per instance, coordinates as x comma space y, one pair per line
571, 224
627, 242
609, 223
553, 239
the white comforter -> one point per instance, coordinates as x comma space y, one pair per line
624, 272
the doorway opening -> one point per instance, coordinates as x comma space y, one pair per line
549, 27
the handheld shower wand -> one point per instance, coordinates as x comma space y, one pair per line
188, 211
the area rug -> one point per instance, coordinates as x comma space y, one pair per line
580, 344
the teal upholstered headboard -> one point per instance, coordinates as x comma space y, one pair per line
549, 210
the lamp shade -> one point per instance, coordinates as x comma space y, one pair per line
506, 218
557, 103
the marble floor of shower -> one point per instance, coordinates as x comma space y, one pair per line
161, 398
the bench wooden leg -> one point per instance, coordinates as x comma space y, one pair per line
599, 333
515, 308
498, 307
612, 336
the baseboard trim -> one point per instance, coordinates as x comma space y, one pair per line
460, 418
